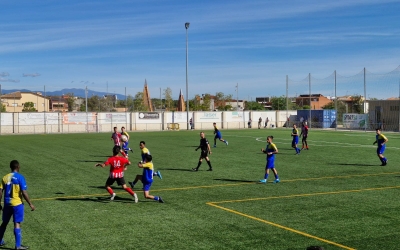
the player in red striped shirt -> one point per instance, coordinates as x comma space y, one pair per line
118, 165
116, 137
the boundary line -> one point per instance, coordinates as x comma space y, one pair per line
213, 186
214, 204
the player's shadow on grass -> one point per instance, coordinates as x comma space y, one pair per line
100, 199
191, 146
3, 247
357, 164
233, 180
177, 169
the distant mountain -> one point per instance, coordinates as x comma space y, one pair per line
76, 92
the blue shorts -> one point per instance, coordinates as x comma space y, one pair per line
218, 135
295, 140
125, 146
146, 186
381, 149
16, 212
270, 164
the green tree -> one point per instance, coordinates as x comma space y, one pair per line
29, 107
70, 101
278, 102
253, 106
357, 104
168, 98
138, 102
3, 108
205, 106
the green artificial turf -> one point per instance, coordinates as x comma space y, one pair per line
334, 195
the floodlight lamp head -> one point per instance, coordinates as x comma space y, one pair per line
187, 25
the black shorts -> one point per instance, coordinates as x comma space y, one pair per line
304, 137
120, 181
204, 154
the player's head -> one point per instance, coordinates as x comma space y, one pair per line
294, 126
202, 135
149, 158
115, 129
270, 138
214, 124
116, 150
142, 144
122, 129
378, 131
14, 165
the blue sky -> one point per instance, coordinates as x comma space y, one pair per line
65, 44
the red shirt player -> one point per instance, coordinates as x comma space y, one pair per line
304, 133
116, 137
118, 165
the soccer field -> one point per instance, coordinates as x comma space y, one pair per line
335, 195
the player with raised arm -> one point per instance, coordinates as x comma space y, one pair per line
381, 140
125, 144
117, 165
147, 178
218, 136
270, 150
205, 150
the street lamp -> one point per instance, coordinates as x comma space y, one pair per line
187, 88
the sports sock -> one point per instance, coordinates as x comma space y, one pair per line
266, 176
17, 234
110, 191
156, 198
209, 163
198, 164
276, 176
129, 190
2, 230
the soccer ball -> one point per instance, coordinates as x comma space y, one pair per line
124, 138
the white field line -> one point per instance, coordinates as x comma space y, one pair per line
324, 143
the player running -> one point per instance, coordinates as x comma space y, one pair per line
218, 135
381, 140
118, 165
147, 178
116, 137
125, 144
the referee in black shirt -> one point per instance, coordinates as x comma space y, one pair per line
205, 150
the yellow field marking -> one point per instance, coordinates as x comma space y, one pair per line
305, 195
214, 204
282, 227
213, 186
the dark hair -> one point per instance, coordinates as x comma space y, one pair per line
142, 142
149, 158
14, 164
377, 129
122, 127
214, 123
116, 150
115, 127
270, 136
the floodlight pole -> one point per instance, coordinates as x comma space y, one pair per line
187, 88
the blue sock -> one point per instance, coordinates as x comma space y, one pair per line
276, 177
384, 159
18, 238
266, 176
381, 159
156, 198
